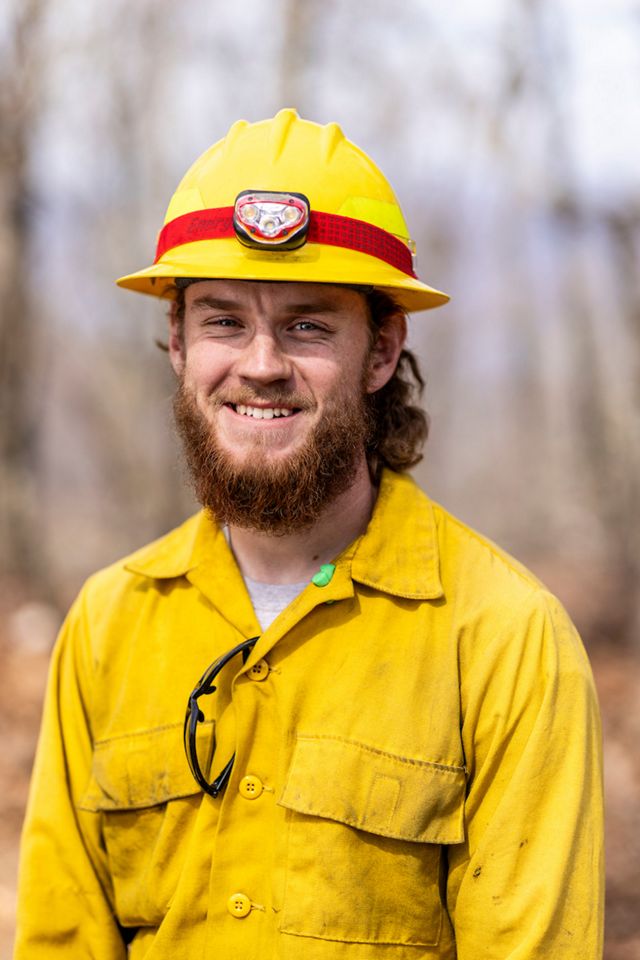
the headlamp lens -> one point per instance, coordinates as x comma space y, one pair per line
271, 219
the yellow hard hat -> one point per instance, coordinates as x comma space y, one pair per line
286, 199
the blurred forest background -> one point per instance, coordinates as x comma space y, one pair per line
511, 131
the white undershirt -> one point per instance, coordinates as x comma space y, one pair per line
270, 599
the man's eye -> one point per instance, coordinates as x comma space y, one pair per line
306, 325
220, 322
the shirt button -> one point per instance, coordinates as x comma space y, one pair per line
259, 671
239, 905
250, 787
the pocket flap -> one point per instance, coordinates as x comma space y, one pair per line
143, 769
376, 791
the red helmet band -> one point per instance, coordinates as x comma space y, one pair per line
326, 228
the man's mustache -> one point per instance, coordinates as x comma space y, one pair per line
248, 397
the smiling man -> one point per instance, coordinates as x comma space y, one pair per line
273, 381
272, 407
322, 718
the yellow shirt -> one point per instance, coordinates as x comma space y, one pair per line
417, 761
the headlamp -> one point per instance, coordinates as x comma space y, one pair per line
266, 219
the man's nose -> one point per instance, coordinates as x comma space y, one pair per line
263, 360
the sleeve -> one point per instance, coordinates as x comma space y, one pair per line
65, 902
528, 881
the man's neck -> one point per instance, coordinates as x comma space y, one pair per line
295, 557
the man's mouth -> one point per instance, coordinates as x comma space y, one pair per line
263, 413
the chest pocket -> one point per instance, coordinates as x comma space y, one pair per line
365, 836
142, 787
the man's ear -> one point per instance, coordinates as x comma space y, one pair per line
176, 341
386, 351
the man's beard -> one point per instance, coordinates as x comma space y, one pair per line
275, 496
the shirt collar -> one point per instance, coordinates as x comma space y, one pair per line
197, 540
397, 554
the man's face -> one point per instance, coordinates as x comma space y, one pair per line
271, 403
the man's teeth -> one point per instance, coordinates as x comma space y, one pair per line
263, 413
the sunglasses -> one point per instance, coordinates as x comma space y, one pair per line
195, 716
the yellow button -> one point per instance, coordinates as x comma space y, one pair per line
250, 787
239, 905
259, 671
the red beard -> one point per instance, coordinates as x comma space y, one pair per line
275, 497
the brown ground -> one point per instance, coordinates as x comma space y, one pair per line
24, 653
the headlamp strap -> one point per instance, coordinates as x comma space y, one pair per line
331, 229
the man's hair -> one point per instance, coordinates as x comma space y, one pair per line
398, 425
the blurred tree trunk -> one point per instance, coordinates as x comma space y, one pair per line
623, 495
20, 86
299, 23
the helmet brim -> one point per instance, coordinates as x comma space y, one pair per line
226, 259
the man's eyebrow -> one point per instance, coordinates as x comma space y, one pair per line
321, 305
217, 303
312, 306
